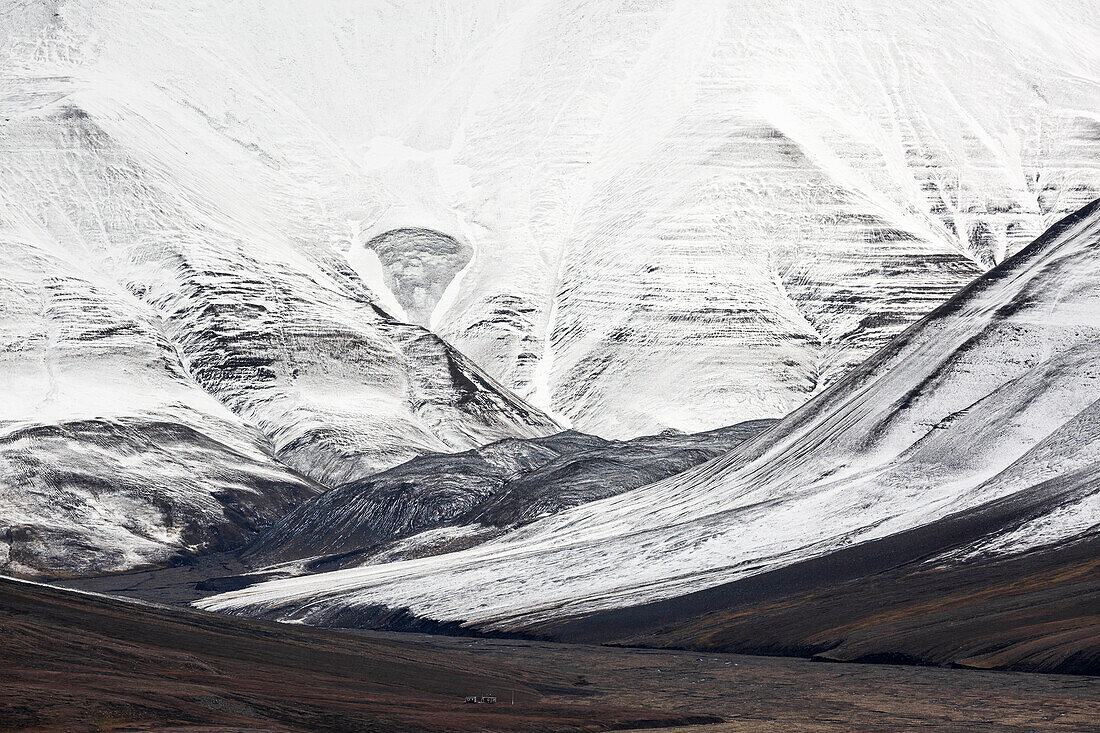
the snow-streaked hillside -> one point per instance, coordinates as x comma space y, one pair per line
479, 493
152, 369
110, 455
992, 394
180, 323
673, 213
221, 251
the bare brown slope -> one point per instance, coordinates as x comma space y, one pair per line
1036, 612
900, 599
76, 662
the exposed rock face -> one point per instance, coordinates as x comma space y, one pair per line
478, 492
679, 214
991, 398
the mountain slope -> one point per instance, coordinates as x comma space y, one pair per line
438, 499
178, 352
953, 591
991, 394
263, 320
426, 493
676, 214
110, 455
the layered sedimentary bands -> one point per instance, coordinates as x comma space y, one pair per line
967, 443
667, 214
440, 502
110, 454
185, 353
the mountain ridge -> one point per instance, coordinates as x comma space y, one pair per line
718, 194
956, 412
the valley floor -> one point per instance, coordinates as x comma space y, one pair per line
752, 693
87, 662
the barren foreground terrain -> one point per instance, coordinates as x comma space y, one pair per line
75, 661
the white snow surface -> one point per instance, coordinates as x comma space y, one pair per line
225, 225
682, 213
996, 391
178, 319
110, 455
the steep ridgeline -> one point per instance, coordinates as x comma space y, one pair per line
280, 332
440, 502
990, 398
110, 454
179, 351
666, 214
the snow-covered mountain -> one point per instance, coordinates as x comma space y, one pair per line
991, 396
135, 409
186, 351
673, 213
237, 218
440, 502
